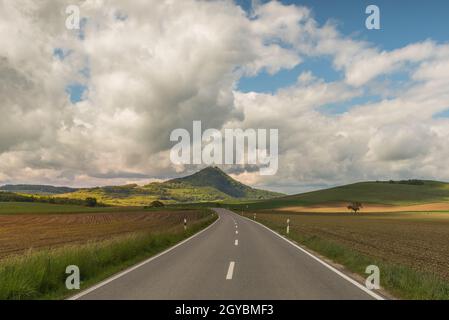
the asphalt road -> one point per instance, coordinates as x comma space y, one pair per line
235, 259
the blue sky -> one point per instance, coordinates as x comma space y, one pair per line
402, 22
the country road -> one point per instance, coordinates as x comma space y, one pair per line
235, 258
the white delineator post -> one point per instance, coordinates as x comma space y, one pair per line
288, 226
255, 216
185, 224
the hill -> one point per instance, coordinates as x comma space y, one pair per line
381, 192
217, 179
207, 185
36, 189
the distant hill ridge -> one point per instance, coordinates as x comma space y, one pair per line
403, 192
210, 184
216, 178
36, 189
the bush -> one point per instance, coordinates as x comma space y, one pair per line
91, 202
156, 204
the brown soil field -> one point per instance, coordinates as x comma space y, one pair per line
19, 233
369, 208
417, 240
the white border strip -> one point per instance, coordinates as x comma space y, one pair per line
341, 274
121, 274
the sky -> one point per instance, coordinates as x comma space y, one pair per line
96, 106
402, 22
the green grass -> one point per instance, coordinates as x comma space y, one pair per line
365, 192
401, 281
41, 274
15, 208
44, 208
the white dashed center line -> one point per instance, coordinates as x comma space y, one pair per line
236, 232
236, 242
230, 270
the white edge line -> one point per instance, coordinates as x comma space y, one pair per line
230, 270
121, 274
341, 274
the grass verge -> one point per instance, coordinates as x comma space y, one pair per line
41, 274
401, 281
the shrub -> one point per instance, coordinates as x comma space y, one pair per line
156, 204
91, 202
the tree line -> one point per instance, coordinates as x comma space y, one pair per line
14, 197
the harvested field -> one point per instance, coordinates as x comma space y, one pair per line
370, 208
19, 233
416, 240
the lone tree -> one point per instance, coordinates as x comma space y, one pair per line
355, 206
91, 202
156, 204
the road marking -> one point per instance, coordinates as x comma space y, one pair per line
230, 270
236, 226
236, 232
236, 242
341, 274
121, 274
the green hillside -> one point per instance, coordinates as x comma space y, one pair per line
207, 185
388, 192
140, 196
36, 189
217, 179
